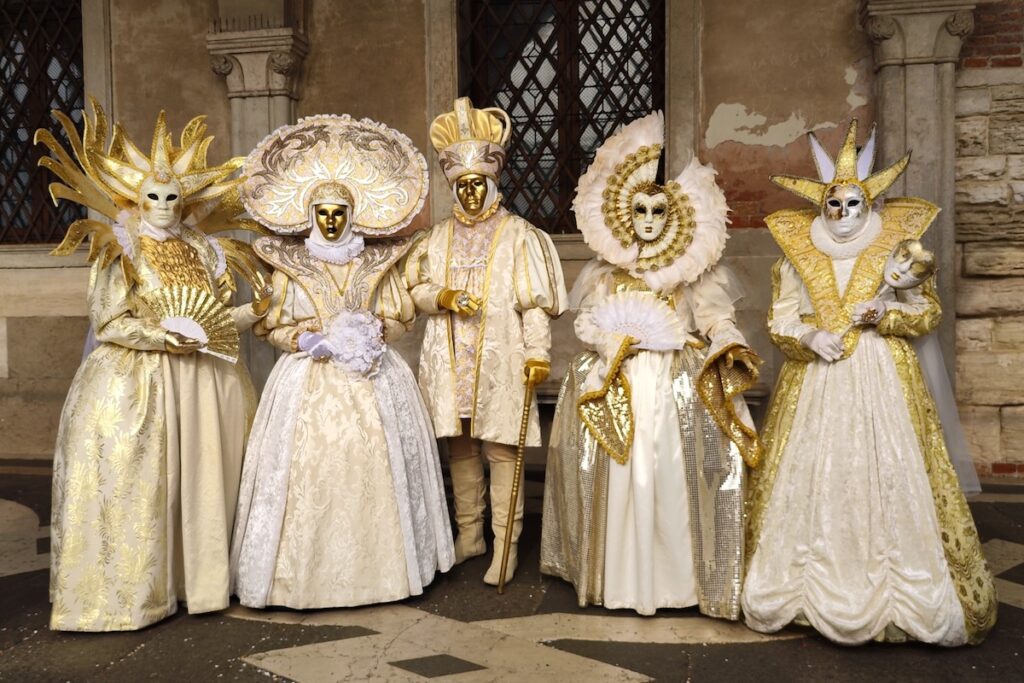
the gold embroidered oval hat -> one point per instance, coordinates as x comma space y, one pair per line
368, 165
470, 140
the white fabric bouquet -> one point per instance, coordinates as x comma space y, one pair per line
357, 341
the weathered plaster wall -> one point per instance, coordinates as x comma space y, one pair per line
990, 237
159, 61
769, 77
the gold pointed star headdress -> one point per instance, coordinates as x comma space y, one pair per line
848, 168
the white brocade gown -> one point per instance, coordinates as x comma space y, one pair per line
851, 542
664, 528
342, 501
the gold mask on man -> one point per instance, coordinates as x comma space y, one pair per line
331, 219
471, 190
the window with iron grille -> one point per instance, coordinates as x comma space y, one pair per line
40, 70
568, 72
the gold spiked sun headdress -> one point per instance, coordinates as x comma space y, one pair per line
372, 168
848, 168
470, 140
108, 181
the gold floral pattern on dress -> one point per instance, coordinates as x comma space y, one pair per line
960, 541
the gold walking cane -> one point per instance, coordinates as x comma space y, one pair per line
517, 478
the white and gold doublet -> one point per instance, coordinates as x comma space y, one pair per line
474, 368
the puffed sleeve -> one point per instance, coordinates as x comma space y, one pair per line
540, 290
111, 314
607, 344
290, 314
784, 324
712, 298
416, 270
244, 316
394, 305
915, 313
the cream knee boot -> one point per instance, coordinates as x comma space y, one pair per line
468, 492
502, 474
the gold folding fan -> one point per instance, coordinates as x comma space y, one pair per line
197, 314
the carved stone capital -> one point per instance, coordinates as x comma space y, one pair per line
221, 64
880, 28
916, 31
258, 62
283, 62
960, 24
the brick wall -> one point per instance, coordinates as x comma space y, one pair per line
998, 37
990, 238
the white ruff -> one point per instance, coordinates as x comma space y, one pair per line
827, 244
697, 182
120, 229
339, 254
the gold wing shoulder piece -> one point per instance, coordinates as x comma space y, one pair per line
241, 259
103, 243
224, 213
287, 254
913, 215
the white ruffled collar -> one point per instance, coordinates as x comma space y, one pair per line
841, 251
338, 253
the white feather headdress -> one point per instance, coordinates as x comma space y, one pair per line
695, 232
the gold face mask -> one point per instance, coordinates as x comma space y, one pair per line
331, 219
471, 190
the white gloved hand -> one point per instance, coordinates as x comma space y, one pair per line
869, 312
824, 343
316, 345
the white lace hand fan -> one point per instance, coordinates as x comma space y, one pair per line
643, 316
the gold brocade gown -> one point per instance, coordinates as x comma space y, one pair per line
148, 454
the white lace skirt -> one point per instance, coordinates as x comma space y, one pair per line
342, 501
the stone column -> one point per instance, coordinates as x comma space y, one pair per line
916, 48
261, 67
